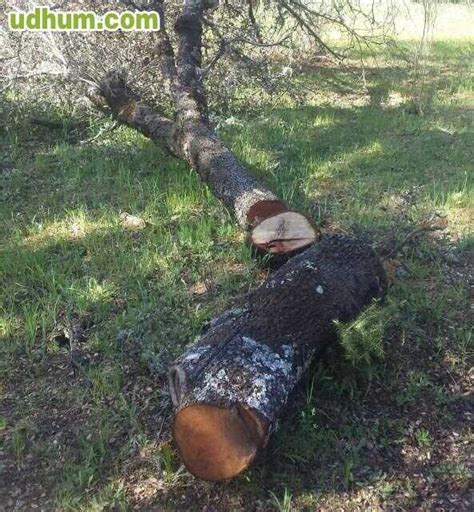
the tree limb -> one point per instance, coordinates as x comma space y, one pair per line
270, 225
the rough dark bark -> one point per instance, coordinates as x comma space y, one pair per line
189, 62
271, 227
229, 387
127, 108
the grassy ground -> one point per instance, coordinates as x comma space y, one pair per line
86, 427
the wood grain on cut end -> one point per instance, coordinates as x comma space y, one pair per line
217, 443
283, 233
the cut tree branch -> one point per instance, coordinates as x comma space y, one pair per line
271, 226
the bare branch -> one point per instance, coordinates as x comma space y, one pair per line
303, 23
127, 107
189, 58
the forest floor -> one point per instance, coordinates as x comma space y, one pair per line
382, 422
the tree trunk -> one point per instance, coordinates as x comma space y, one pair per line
271, 226
230, 386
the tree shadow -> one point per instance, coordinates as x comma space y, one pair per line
345, 429
316, 157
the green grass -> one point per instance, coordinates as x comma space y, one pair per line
380, 422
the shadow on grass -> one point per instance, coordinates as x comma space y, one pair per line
335, 162
347, 429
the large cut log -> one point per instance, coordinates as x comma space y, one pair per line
270, 225
230, 386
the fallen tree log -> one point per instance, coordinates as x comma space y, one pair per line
230, 386
271, 227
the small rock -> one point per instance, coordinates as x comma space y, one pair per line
320, 289
131, 221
